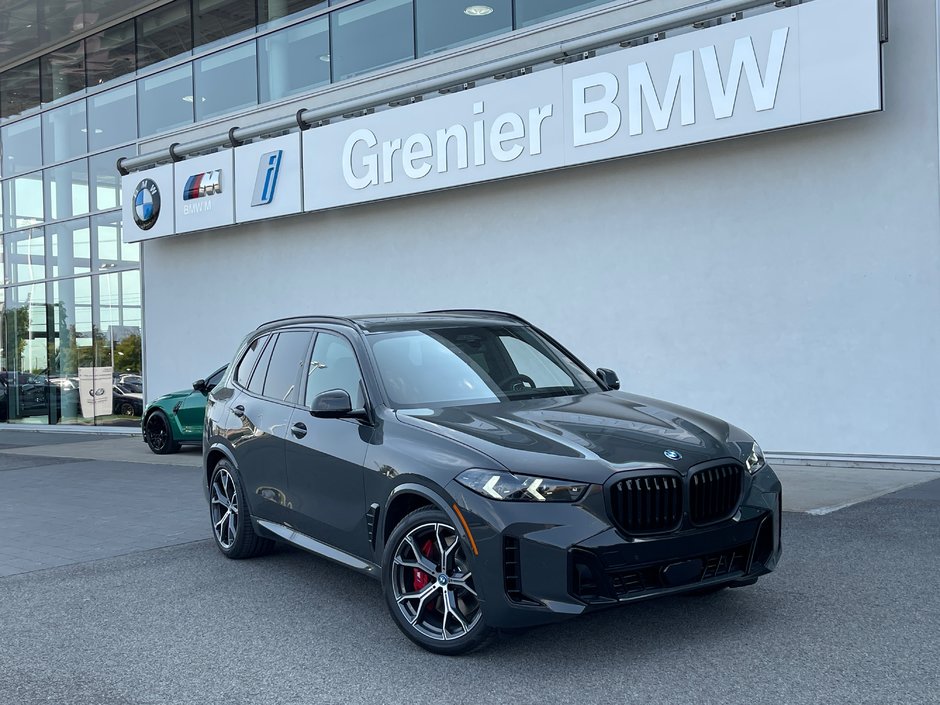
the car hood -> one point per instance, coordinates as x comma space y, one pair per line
172, 396
585, 437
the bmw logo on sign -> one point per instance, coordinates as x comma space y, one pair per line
146, 204
672, 454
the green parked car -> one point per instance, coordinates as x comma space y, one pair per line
176, 418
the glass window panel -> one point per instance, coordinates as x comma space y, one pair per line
283, 375
371, 35
165, 100
25, 337
112, 117
25, 256
66, 190
270, 11
63, 72
64, 133
19, 89
333, 365
105, 179
111, 252
110, 54
119, 332
22, 201
443, 24
532, 11
261, 369
164, 33
73, 343
294, 60
247, 363
226, 81
22, 146
69, 248
218, 19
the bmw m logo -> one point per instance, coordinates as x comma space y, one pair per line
672, 454
146, 204
206, 184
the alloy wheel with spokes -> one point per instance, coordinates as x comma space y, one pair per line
430, 585
231, 521
223, 500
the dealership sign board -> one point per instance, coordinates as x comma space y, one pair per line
816, 61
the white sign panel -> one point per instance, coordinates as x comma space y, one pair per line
96, 391
204, 192
268, 179
147, 208
812, 62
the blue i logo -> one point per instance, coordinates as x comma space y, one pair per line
266, 181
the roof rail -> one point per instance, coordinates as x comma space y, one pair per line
308, 319
485, 311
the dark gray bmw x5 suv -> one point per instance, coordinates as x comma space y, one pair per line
479, 470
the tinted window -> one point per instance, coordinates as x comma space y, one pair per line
273, 10
215, 378
110, 54
19, 89
218, 19
64, 132
226, 81
112, 117
63, 72
333, 365
371, 35
257, 377
164, 33
295, 59
443, 24
532, 11
286, 362
165, 100
243, 374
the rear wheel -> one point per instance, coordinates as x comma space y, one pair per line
429, 587
159, 435
231, 523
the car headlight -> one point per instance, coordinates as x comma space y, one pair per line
520, 488
755, 460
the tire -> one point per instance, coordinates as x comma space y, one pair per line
443, 616
159, 435
234, 535
127, 409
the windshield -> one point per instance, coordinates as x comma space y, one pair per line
455, 365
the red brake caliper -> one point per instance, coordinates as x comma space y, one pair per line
421, 578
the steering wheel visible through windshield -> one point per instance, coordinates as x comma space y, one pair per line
455, 365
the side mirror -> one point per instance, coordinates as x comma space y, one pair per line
608, 378
200, 386
332, 404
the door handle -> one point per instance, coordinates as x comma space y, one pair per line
239, 410
299, 430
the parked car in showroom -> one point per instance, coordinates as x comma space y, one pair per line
127, 402
176, 419
484, 474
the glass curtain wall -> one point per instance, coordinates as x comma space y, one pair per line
70, 299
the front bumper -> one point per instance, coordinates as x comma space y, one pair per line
540, 562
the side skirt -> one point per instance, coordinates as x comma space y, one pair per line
292, 536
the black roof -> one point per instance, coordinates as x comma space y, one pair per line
402, 321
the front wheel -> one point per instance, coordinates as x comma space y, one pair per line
429, 587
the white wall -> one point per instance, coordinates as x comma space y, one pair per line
787, 282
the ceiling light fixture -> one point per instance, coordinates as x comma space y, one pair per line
478, 10
188, 98
325, 58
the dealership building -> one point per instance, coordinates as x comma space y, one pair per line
733, 203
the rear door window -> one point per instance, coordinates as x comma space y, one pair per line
247, 363
257, 377
288, 358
